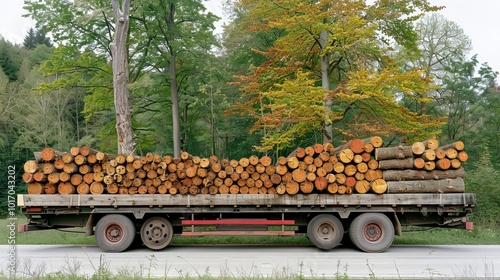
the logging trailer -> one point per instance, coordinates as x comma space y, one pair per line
369, 221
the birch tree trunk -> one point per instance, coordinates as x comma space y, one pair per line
119, 52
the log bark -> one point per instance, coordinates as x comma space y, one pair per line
410, 174
459, 146
456, 185
405, 163
398, 152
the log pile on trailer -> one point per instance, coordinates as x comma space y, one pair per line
359, 166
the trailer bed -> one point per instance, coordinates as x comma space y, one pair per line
299, 200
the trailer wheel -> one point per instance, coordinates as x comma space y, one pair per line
114, 233
156, 233
325, 231
372, 232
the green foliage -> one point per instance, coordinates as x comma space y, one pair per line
10, 59
290, 111
371, 95
35, 38
348, 39
483, 181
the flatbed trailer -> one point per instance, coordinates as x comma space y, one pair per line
369, 221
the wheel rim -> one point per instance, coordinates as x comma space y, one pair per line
114, 233
372, 232
156, 233
326, 231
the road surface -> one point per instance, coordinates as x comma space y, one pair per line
410, 262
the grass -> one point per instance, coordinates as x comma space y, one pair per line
449, 236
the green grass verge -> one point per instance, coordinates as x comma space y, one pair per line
449, 236
411, 235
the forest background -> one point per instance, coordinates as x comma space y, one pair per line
283, 74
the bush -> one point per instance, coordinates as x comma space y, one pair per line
483, 181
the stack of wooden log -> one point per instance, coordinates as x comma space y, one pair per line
423, 167
359, 166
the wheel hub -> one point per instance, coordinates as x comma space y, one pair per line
114, 233
372, 232
326, 231
156, 233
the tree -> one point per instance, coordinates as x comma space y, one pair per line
441, 43
34, 38
163, 36
10, 59
461, 89
349, 37
119, 53
179, 34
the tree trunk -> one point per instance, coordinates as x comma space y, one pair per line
398, 152
174, 92
325, 83
396, 175
119, 53
405, 163
456, 185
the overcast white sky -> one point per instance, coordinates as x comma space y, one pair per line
479, 19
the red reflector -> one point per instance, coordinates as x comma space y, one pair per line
469, 225
22, 228
34, 209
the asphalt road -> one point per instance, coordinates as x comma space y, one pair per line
410, 262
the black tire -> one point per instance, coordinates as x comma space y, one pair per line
114, 233
372, 232
156, 233
325, 231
